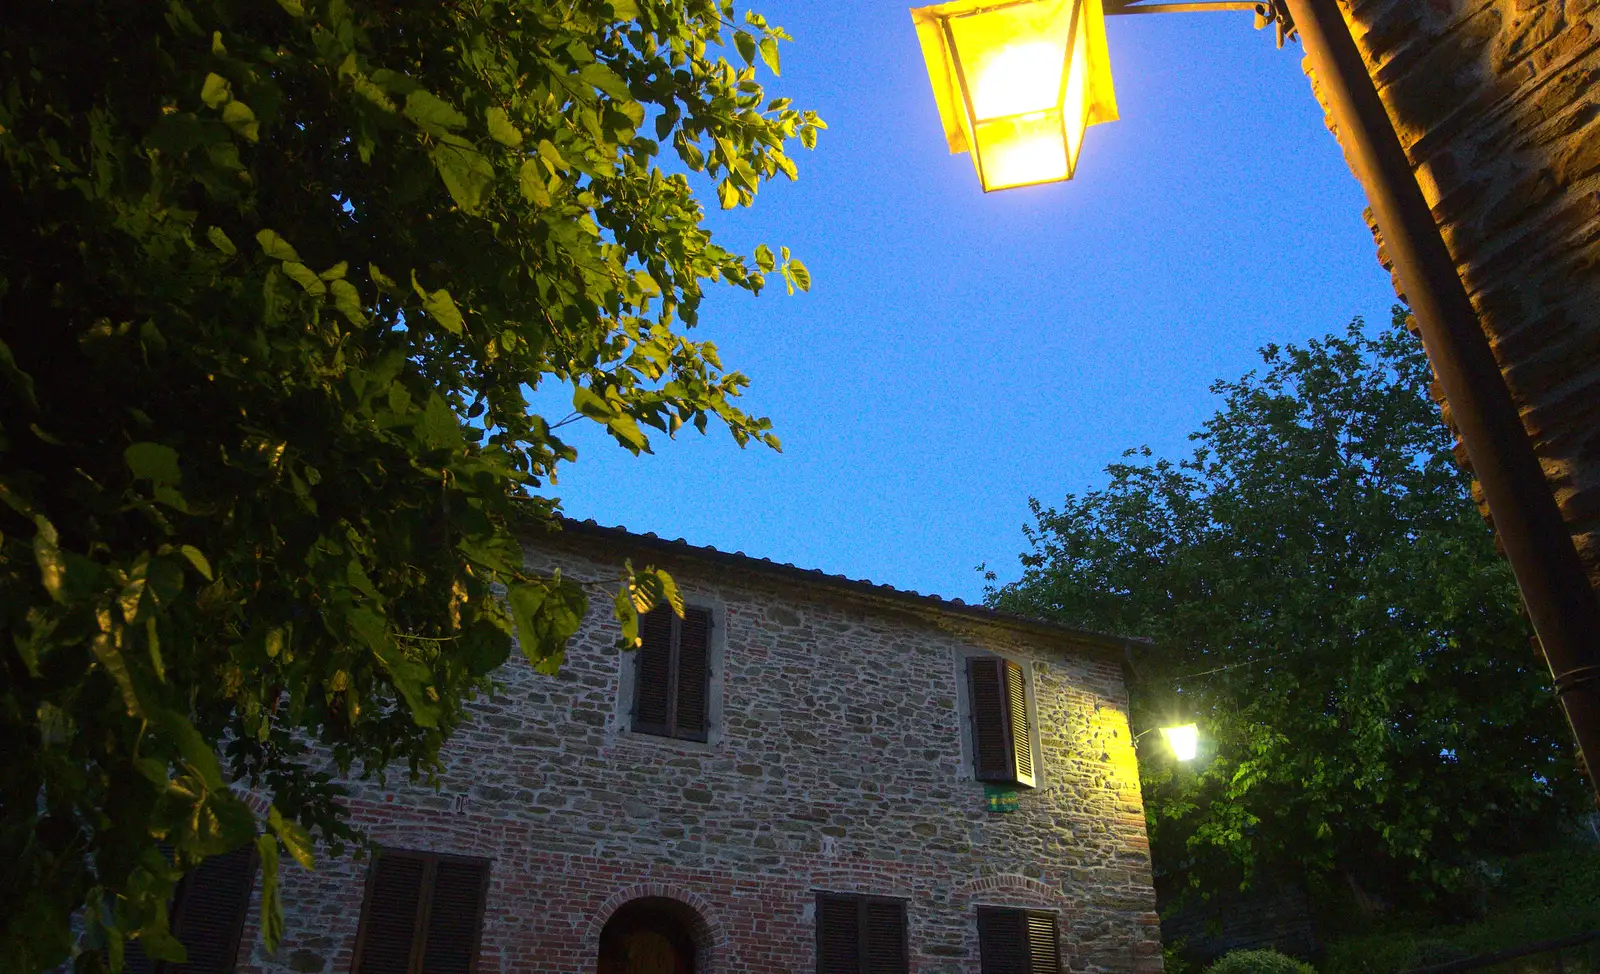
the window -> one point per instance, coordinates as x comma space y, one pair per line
861, 935
207, 917
423, 914
1018, 941
1002, 735
672, 676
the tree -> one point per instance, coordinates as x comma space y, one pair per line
276, 280
1322, 594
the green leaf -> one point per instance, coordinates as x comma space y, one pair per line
68, 576
271, 922
15, 377
152, 638
431, 113
220, 241
410, 677
111, 659
347, 301
295, 839
769, 53
275, 246
746, 45
531, 182
155, 462
550, 154
466, 173
216, 91
547, 613
802, 277
501, 129
294, 8
606, 80
439, 428
441, 307
305, 277
586, 402
624, 10
764, 258
193, 748
628, 433
238, 116
198, 560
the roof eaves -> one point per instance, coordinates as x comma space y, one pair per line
1122, 647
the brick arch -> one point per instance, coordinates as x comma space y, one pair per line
709, 935
1003, 884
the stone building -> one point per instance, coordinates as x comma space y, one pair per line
1495, 104
788, 769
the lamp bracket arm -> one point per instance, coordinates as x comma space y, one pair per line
1268, 12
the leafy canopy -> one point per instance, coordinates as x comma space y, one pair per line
277, 279
1323, 597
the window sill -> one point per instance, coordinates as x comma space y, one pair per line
624, 736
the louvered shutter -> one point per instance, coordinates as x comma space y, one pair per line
1002, 741
1021, 734
389, 916
838, 935
209, 912
693, 674
992, 754
1017, 941
1044, 944
455, 916
885, 937
653, 672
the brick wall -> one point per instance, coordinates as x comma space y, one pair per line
839, 767
1496, 103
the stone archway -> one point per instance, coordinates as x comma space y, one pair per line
656, 929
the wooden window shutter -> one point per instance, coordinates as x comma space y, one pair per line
861, 935
838, 935
423, 915
885, 937
389, 916
207, 916
693, 674
209, 911
1002, 740
1021, 733
455, 916
1018, 941
673, 674
653, 673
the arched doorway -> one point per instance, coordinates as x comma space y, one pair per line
650, 935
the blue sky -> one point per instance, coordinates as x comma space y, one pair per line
962, 352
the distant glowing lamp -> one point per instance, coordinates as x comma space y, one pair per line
1017, 83
1184, 741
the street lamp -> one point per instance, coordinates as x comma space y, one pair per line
1017, 83
1184, 740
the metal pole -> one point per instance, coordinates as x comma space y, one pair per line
1555, 588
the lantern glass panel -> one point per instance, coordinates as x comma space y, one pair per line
1017, 83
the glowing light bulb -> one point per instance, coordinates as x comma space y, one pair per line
1184, 741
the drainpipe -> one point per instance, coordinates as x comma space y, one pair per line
1555, 589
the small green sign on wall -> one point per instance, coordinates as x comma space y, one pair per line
998, 798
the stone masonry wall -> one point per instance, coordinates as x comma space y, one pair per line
1496, 104
839, 767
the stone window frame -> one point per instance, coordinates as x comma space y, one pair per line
716, 654
959, 656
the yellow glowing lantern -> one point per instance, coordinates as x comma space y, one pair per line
1184, 741
1017, 83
